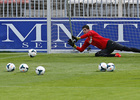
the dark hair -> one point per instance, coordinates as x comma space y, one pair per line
85, 26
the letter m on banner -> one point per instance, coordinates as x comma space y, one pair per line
19, 35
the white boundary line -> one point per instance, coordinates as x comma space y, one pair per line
62, 20
22, 20
92, 20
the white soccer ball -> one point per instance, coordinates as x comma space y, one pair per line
102, 67
110, 67
10, 67
32, 52
40, 70
23, 68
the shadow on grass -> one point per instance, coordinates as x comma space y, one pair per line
92, 55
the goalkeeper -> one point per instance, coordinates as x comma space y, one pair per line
106, 45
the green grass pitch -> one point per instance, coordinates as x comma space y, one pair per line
70, 77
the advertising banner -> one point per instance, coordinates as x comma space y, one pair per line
21, 34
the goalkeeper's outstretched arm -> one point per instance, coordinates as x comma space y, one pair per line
81, 49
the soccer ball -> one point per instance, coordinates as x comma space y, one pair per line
10, 67
23, 68
32, 52
102, 67
40, 70
110, 67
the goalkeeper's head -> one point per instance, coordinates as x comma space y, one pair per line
85, 29
85, 26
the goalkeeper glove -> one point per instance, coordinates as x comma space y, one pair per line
75, 38
71, 43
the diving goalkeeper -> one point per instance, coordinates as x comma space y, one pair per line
106, 45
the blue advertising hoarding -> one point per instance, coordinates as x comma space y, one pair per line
21, 34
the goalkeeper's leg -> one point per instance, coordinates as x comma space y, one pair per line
104, 53
131, 49
116, 46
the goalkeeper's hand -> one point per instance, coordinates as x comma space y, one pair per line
71, 43
75, 38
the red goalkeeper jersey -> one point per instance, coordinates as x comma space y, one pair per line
94, 39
